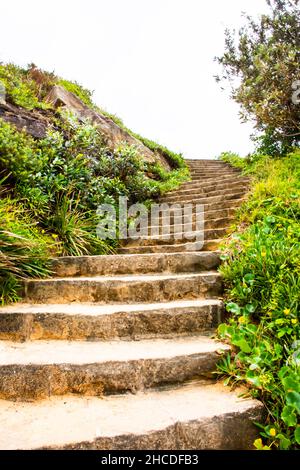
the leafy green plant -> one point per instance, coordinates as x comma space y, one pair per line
21, 86
75, 230
24, 250
261, 272
59, 181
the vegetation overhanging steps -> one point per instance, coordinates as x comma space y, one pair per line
115, 352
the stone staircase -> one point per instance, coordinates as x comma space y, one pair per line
115, 352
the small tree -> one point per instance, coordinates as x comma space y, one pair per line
262, 65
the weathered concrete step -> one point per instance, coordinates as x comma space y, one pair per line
205, 163
216, 168
133, 288
220, 171
175, 225
177, 238
39, 369
194, 416
217, 182
23, 322
215, 171
199, 199
212, 219
210, 210
208, 190
133, 264
194, 196
209, 215
209, 245
218, 203
209, 181
209, 177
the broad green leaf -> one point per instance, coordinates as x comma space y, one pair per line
293, 399
288, 416
233, 308
290, 384
297, 435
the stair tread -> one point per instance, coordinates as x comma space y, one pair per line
71, 420
129, 256
184, 245
90, 352
181, 235
127, 277
94, 309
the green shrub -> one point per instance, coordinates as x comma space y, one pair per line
261, 272
60, 181
63, 178
21, 88
24, 250
76, 230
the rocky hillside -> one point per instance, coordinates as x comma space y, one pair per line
61, 157
32, 100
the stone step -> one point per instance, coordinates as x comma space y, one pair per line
201, 164
214, 171
40, 369
210, 210
212, 219
228, 204
217, 182
194, 416
208, 224
205, 164
22, 322
194, 196
209, 204
208, 189
131, 288
177, 238
72, 266
215, 168
209, 215
198, 199
210, 177
209, 245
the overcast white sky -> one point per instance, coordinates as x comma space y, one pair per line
148, 61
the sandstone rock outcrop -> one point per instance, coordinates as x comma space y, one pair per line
36, 122
112, 133
33, 122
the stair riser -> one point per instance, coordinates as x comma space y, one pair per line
217, 183
32, 382
171, 240
116, 264
208, 224
209, 203
212, 164
65, 291
209, 215
208, 191
186, 198
207, 179
211, 211
214, 172
209, 245
228, 431
162, 322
